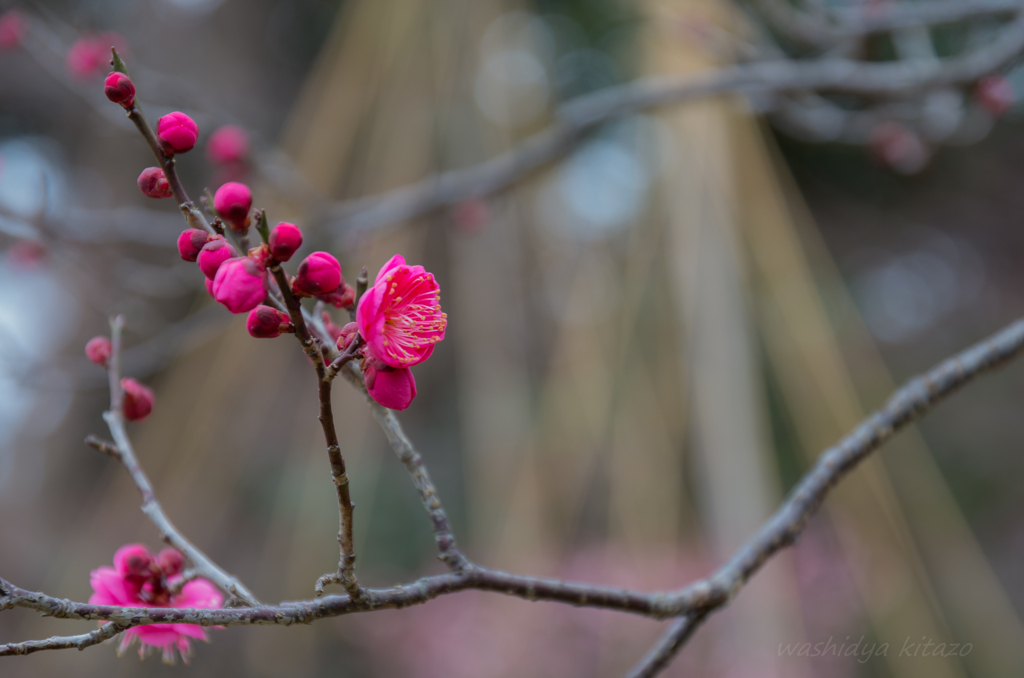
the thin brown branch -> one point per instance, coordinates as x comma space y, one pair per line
665, 650
150, 505
79, 642
314, 348
827, 74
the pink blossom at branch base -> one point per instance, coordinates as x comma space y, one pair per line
392, 387
89, 57
153, 183
319, 273
13, 28
177, 133
240, 284
266, 322
233, 201
284, 239
119, 88
191, 242
400, 317
134, 586
98, 350
136, 400
996, 94
214, 253
228, 144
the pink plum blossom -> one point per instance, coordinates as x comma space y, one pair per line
400, 317
233, 201
119, 88
240, 284
284, 239
153, 183
191, 242
12, 29
140, 580
392, 387
177, 133
228, 144
136, 401
98, 350
214, 253
319, 273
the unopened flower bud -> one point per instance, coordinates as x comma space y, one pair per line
209, 287
228, 144
343, 297
153, 182
995, 93
136, 401
119, 88
319, 273
177, 133
98, 350
392, 387
285, 238
12, 29
240, 285
346, 335
233, 202
134, 562
214, 253
191, 242
170, 562
265, 322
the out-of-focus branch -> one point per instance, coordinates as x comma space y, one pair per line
690, 604
62, 642
763, 78
122, 450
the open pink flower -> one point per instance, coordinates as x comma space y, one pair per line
400, 317
140, 580
392, 387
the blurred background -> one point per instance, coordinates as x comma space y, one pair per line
649, 340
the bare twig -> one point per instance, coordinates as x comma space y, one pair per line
80, 642
150, 506
827, 74
665, 650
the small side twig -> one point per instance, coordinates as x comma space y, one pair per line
150, 505
79, 642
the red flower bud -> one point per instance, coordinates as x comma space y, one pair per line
119, 88
228, 144
233, 202
996, 94
177, 133
346, 334
191, 242
134, 562
153, 182
319, 273
98, 350
240, 284
343, 297
285, 238
392, 387
265, 322
12, 29
214, 253
170, 562
137, 400
209, 287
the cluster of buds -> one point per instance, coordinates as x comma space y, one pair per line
136, 398
397, 321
